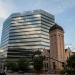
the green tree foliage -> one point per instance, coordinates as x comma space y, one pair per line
12, 66
23, 65
20, 65
37, 52
38, 61
70, 66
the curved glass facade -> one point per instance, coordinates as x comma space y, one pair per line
27, 30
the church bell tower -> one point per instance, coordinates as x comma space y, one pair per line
57, 51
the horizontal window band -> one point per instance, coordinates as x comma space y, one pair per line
13, 22
17, 38
27, 41
25, 27
29, 32
28, 46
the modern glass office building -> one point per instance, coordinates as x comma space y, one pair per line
25, 32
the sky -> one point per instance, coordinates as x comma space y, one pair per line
63, 10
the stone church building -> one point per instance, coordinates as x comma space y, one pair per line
56, 57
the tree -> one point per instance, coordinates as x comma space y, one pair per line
70, 66
23, 65
37, 52
12, 66
38, 61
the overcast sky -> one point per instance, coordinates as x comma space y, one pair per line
63, 10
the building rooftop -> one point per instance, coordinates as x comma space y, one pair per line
38, 11
56, 26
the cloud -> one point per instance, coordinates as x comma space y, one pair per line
68, 45
53, 6
6, 6
57, 6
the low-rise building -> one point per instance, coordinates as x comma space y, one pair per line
68, 53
